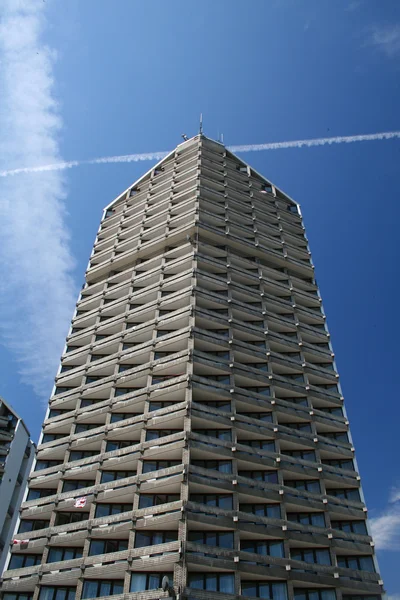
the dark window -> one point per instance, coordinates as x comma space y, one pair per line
260, 444
220, 434
272, 511
224, 539
158, 405
57, 593
93, 588
223, 466
104, 510
147, 500
81, 427
77, 484
310, 555
107, 546
309, 485
118, 444
257, 415
224, 501
340, 464
22, 596
263, 589
64, 553
65, 518
314, 594
39, 493
350, 526
107, 476
213, 582
51, 437
81, 454
46, 464
316, 519
221, 405
358, 563
345, 494
264, 547
148, 581
155, 465
115, 417
303, 454
154, 434
123, 391
32, 525
268, 476
152, 538
19, 561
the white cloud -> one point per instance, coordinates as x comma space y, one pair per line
393, 597
385, 527
37, 292
387, 39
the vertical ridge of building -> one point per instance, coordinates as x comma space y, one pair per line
196, 446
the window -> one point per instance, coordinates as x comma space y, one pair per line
115, 417
265, 391
57, 593
220, 434
345, 494
273, 511
358, 563
39, 493
303, 454
23, 596
341, 464
158, 405
93, 588
214, 582
260, 444
154, 465
107, 476
81, 454
32, 525
148, 500
107, 546
104, 510
263, 589
316, 519
81, 427
314, 594
51, 437
309, 485
77, 484
122, 391
65, 518
224, 501
221, 378
19, 561
350, 526
46, 464
264, 547
151, 538
221, 405
256, 415
58, 554
154, 434
118, 445
223, 466
223, 539
310, 555
267, 476
141, 582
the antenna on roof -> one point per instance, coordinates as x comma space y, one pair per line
201, 124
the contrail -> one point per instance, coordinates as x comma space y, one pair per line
126, 158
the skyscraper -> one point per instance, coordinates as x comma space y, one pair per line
16, 458
196, 445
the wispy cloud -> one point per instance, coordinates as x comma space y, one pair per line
386, 38
37, 292
386, 526
126, 158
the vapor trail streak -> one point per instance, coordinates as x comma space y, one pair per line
126, 158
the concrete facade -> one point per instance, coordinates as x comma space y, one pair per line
16, 458
197, 428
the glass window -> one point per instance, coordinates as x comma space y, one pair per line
223, 539
107, 546
104, 510
264, 589
273, 511
58, 554
151, 538
107, 476
57, 593
141, 582
224, 501
147, 500
314, 594
215, 582
223, 466
18, 561
102, 587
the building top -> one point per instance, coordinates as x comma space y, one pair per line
16, 415
186, 144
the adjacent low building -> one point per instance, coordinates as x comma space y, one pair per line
16, 457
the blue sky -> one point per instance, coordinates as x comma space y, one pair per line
100, 78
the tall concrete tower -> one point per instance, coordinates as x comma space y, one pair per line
196, 445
